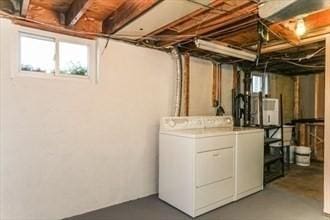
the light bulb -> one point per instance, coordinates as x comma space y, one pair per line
300, 27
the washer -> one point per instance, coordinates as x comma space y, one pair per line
202, 164
249, 161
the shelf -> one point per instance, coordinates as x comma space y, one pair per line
271, 176
272, 158
269, 127
272, 140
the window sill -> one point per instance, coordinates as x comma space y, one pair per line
38, 75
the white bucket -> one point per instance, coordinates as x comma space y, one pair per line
303, 156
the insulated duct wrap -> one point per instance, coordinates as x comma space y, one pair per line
281, 10
178, 96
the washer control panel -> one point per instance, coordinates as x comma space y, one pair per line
194, 122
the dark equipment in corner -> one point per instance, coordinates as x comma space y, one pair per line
220, 111
242, 103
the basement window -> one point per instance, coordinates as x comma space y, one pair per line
73, 59
37, 54
55, 55
260, 83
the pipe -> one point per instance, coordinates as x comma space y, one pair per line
247, 99
178, 97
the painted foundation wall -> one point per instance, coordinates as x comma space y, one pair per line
280, 84
201, 81
69, 146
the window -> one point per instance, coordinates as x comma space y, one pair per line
37, 54
73, 59
260, 83
54, 55
256, 83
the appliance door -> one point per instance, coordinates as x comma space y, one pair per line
214, 166
249, 162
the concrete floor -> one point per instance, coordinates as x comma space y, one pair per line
304, 181
277, 201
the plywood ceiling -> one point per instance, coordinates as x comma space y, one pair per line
56, 5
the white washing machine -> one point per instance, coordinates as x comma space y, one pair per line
205, 163
249, 161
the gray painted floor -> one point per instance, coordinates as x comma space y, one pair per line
271, 204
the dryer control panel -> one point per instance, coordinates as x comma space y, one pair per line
194, 122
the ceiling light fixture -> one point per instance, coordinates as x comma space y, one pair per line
300, 27
224, 50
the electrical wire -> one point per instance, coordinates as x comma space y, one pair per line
304, 65
134, 38
207, 6
309, 56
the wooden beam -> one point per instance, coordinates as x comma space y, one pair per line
126, 13
317, 26
215, 82
214, 4
76, 11
234, 15
285, 33
316, 95
235, 77
186, 81
296, 97
284, 46
317, 20
25, 7
49, 20
327, 131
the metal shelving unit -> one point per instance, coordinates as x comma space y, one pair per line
274, 164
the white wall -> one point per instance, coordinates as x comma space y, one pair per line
71, 146
200, 100
201, 74
226, 87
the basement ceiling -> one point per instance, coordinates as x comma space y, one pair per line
162, 24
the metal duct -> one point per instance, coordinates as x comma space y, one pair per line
7, 6
280, 10
178, 97
10, 6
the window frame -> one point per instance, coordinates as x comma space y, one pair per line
38, 37
45, 35
57, 66
265, 80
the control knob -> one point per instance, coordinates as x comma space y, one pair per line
171, 123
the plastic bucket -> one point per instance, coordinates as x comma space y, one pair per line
303, 156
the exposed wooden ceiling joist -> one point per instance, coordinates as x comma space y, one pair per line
128, 11
285, 33
191, 16
232, 16
317, 20
76, 11
283, 46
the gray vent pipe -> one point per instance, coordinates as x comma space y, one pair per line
178, 96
